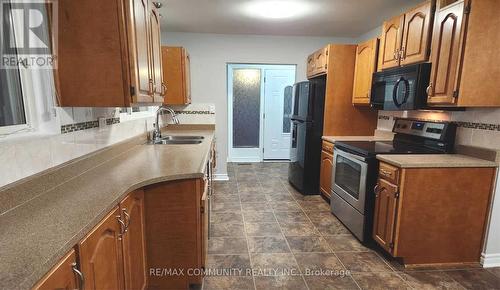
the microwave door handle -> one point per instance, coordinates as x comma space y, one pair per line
407, 91
395, 92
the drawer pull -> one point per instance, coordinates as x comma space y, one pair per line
81, 278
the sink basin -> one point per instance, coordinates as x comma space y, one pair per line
176, 141
179, 137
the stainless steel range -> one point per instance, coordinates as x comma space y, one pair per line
355, 168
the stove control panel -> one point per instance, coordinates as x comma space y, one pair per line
426, 129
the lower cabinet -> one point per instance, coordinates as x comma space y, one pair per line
101, 257
111, 256
432, 215
385, 214
64, 275
134, 243
325, 178
176, 229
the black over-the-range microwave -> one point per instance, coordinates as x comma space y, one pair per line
401, 88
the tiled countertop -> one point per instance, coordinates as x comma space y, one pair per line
435, 161
40, 231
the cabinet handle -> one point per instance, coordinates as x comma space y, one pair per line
385, 172
151, 87
81, 278
375, 189
402, 53
396, 54
163, 89
127, 219
122, 227
429, 89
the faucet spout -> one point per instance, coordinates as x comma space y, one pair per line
157, 131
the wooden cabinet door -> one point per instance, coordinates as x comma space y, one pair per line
134, 244
101, 257
366, 58
187, 77
310, 65
204, 224
390, 44
325, 179
141, 64
417, 34
321, 61
447, 44
62, 276
156, 64
386, 204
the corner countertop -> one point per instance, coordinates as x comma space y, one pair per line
34, 236
435, 161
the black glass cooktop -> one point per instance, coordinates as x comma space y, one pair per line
372, 148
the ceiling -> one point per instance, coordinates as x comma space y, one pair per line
332, 18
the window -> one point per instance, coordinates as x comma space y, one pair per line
287, 110
12, 103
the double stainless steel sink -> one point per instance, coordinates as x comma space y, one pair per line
177, 140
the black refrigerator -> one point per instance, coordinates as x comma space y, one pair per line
307, 130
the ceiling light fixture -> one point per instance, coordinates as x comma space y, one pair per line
277, 9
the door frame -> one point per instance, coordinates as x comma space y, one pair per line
248, 154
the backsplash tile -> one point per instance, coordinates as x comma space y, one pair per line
20, 158
476, 127
86, 125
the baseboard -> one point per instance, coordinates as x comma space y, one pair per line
221, 177
490, 260
245, 160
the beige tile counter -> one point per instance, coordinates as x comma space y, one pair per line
435, 161
37, 233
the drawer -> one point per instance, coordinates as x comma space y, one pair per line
328, 147
389, 173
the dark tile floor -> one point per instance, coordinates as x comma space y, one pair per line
265, 235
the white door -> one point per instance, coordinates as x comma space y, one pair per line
276, 127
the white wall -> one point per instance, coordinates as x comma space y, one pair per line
210, 53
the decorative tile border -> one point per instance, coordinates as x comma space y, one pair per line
86, 125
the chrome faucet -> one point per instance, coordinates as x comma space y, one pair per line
157, 131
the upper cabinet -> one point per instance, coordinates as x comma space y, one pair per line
177, 75
390, 43
112, 60
415, 46
159, 87
366, 60
317, 63
406, 38
465, 59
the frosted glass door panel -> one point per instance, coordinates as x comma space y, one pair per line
246, 108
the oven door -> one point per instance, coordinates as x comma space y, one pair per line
349, 177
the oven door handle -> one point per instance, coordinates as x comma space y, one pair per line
349, 155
